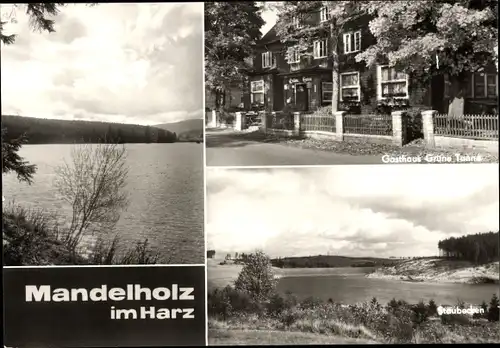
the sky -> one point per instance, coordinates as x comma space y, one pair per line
269, 17
359, 211
129, 63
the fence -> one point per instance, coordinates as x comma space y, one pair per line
376, 124
280, 120
253, 119
341, 126
483, 127
317, 122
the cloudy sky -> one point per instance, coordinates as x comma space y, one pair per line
388, 210
131, 63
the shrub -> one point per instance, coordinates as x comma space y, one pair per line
277, 304
420, 313
310, 302
493, 310
431, 308
455, 319
414, 124
230, 301
398, 325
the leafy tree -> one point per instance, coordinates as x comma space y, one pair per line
428, 38
39, 14
12, 162
301, 37
231, 29
257, 277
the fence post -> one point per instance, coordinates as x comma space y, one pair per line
263, 121
213, 122
428, 127
399, 128
239, 121
339, 124
296, 123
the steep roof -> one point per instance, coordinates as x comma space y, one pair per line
270, 36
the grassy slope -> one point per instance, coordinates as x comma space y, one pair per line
27, 242
269, 337
438, 270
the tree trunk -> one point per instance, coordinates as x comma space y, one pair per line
456, 98
335, 69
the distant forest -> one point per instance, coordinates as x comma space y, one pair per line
478, 248
48, 131
329, 261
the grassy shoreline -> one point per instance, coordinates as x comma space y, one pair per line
33, 238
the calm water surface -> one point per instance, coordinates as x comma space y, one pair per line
349, 285
165, 183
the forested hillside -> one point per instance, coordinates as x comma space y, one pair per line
477, 248
50, 131
187, 130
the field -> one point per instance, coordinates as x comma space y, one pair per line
274, 337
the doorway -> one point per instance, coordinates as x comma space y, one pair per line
301, 97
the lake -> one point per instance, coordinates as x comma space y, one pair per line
349, 285
165, 185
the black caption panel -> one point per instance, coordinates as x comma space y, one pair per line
104, 306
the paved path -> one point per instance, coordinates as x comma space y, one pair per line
228, 148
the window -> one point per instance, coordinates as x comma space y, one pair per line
320, 48
293, 55
391, 83
327, 92
324, 14
267, 59
482, 85
350, 87
297, 23
257, 92
352, 42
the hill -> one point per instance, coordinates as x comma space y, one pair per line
52, 131
330, 261
185, 130
440, 270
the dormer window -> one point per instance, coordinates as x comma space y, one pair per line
267, 59
324, 14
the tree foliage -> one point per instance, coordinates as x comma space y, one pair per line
410, 34
425, 38
257, 277
231, 30
12, 162
40, 18
478, 248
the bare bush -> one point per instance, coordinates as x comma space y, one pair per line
93, 184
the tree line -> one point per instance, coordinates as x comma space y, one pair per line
478, 248
49, 131
326, 261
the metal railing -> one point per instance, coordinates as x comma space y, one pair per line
484, 127
371, 124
